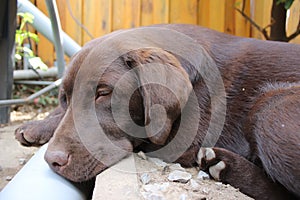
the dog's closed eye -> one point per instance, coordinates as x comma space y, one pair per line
103, 91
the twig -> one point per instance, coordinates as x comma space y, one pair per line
244, 6
296, 33
271, 24
262, 30
77, 21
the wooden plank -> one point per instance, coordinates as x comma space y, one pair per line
242, 26
126, 14
147, 12
261, 7
63, 14
154, 12
161, 11
216, 15
103, 16
183, 11
267, 9
70, 12
45, 48
293, 20
229, 26
204, 13
97, 17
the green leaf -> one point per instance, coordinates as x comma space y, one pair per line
28, 17
18, 56
28, 51
237, 4
21, 35
37, 63
280, 1
288, 4
33, 36
20, 14
18, 39
42, 101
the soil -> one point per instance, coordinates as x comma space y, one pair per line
13, 156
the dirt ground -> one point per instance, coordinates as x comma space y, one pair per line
13, 155
153, 185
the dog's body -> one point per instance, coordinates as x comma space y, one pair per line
259, 148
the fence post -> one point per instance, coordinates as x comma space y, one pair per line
8, 11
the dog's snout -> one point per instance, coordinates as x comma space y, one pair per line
56, 159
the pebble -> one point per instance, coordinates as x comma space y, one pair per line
145, 178
219, 183
176, 166
151, 196
205, 191
179, 176
1, 168
156, 187
155, 191
194, 184
158, 162
202, 175
142, 155
8, 178
22, 161
183, 197
165, 170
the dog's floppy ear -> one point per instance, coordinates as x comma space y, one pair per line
164, 86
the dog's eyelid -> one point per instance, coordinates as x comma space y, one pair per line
104, 87
103, 90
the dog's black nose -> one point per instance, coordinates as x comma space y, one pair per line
56, 159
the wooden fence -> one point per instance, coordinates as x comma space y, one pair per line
100, 17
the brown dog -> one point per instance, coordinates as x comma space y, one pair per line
206, 82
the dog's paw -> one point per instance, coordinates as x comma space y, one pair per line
208, 161
33, 133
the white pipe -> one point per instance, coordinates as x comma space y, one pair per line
43, 25
36, 181
30, 74
57, 35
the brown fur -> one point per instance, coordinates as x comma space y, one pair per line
260, 138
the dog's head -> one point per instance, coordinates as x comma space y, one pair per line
110, 108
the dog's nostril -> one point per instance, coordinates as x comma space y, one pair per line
56, 159
55, 164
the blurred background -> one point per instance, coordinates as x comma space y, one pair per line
83, 20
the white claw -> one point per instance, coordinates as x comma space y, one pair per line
206, 153
210, 154
216, 170
200, 155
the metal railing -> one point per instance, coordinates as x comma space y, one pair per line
51, 29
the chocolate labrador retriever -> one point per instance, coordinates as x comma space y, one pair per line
183, 93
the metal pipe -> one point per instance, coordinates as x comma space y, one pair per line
43, 25
33, 82
37, 181
30, 74
56, 30
31, 97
